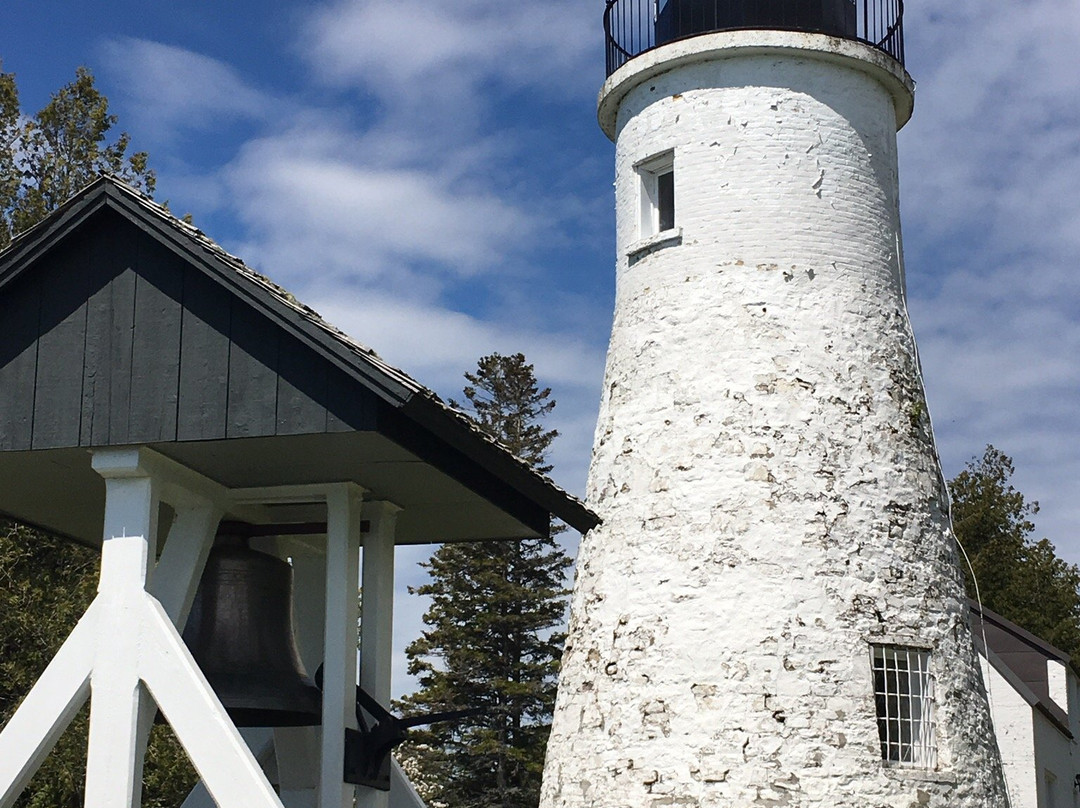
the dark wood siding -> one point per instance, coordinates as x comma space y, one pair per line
155, 350
301, 385
111, 338
204, 359
18, 363
252, 374
61, 346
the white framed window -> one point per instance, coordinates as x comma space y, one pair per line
657, 176
904, 693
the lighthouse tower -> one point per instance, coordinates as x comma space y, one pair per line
772, 612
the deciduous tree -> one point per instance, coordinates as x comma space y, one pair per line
47, 157
1018, 577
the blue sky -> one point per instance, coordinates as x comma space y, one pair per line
431, 178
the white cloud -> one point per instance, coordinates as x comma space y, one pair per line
990, 169
314, 203
173, 89
390, 46
995, 140
438, 345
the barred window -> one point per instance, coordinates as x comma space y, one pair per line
904, 691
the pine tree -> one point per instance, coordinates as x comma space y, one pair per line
1019, 578
494, 635
46, 583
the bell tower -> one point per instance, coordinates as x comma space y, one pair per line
772, 611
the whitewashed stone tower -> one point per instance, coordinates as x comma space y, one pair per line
772, 612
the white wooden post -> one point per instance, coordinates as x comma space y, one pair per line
377, 623
339, 669
297, 748
117, 742
309, 605
377, 605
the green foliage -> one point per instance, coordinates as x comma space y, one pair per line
47, 158
46, 584
1021, 579
506, 402
493, 638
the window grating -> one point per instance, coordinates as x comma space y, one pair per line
904, 692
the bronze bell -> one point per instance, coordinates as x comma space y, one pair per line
240, 631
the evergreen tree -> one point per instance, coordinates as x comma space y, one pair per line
46, 583
494, 636
46, 158
1019, 578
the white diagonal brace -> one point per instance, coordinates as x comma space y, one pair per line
47, 709
180, 567
226, 765
260, 741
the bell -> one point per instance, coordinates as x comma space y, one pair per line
240, 632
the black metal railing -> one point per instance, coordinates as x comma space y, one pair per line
632, 27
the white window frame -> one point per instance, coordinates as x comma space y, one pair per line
905, 700
649, 172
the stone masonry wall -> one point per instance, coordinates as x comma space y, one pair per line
764, 468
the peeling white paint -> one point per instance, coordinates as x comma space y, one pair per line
763, 464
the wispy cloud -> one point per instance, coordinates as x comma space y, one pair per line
314, 203
173, 90
390, 46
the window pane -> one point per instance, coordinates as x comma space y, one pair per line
903, 695
665, 191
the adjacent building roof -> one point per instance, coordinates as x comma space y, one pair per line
1020, 657
124, 325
